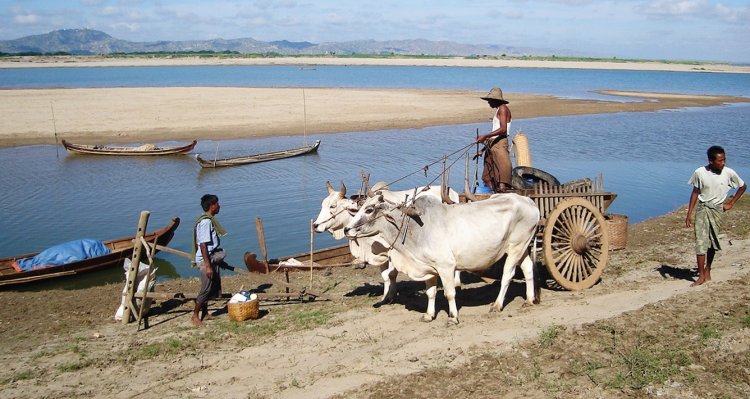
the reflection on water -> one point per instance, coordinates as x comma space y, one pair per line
51, 197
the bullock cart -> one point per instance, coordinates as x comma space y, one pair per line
573, 230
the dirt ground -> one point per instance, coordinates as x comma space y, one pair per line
641, 332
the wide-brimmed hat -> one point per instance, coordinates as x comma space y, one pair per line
495, 94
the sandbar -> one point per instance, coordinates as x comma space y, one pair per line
153, 115
311, 61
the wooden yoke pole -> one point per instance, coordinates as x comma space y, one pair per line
262, 241
312, 233
130, 284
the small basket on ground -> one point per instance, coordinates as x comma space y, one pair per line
242, 311
618, 231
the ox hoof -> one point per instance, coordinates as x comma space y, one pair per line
527, 304
381, 303
495, 309
452, 321
426, 318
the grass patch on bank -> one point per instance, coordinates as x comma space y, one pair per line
281, 320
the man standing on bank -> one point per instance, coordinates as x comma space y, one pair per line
711, 184
209, 257
497, 166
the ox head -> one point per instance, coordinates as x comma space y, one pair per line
377, 216
335, 211
363, 223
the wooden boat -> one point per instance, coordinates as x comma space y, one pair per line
146, 149
121, 248
322, 259
268, 156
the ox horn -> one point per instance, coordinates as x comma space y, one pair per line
329, 187
343, 190
377, 187
467, 191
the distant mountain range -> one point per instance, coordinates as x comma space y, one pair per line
93, 42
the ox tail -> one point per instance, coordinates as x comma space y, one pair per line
537, 284
536, 267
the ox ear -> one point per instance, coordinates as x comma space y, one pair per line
352, 208
329, 187
343, 190
390, 218
410, 211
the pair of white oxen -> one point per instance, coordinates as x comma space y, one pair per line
425, 238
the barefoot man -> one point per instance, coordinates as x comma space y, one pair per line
208, 256
711, 184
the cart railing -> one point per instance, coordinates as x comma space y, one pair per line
547, 198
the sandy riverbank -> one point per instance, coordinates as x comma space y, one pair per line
94, 61
642, 330
133, 115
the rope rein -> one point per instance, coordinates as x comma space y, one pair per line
425, 168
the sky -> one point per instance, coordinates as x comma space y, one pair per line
695, 30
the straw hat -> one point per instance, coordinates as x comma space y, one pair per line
495, 94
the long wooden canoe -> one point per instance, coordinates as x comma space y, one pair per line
146, 149
121, 248
267, 156
322, 259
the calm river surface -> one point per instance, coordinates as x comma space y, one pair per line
50, 196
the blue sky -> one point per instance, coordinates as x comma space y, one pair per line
710, 30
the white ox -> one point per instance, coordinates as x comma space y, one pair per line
336, 211
429, 239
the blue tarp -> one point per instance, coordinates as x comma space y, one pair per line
64, 253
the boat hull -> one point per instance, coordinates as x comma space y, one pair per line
264, 157
126, 151
120, 248
322, 259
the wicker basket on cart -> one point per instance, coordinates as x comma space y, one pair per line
618, 231
243, 310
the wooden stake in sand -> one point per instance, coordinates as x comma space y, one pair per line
130, 308
304, 113
54, 127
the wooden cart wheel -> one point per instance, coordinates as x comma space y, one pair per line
576, 244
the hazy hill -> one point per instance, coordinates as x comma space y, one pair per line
90, 42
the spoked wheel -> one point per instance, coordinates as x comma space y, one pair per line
576, 244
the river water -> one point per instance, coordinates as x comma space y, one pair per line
50, 196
